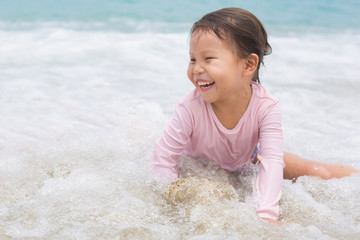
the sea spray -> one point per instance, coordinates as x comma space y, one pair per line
85, 94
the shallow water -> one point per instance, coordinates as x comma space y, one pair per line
81, 114
81, 108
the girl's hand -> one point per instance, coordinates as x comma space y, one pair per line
272, 221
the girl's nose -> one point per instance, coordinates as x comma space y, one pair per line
198, 69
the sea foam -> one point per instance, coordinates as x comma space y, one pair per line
81, 111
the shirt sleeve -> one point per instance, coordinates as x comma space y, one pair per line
172, 143
270, 177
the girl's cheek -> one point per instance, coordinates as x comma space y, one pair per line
190, 76
189, 72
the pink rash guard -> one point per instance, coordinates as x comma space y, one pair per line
196, 131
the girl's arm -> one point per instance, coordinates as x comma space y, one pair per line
269, 179
172, 143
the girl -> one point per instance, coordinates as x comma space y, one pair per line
229, 117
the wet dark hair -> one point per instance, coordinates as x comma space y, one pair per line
241, 29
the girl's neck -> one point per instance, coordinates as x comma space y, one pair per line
229, 112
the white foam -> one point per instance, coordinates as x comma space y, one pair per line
81, 111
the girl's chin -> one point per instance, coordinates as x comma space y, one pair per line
207, 98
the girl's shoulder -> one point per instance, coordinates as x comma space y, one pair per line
191, 105
192, 99
264, 103
263, 94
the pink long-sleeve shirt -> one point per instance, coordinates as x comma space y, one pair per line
196, 131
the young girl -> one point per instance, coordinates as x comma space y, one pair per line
229, 117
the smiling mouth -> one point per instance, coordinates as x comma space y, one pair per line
205, 84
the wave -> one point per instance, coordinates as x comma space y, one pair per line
165, 16
82, 110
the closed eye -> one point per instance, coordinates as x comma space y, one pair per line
209, 58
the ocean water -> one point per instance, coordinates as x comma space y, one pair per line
86, 88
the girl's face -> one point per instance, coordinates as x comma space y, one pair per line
215, 70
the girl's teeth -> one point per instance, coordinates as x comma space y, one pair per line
205, 84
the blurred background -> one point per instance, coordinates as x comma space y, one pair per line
175, 16
86, 87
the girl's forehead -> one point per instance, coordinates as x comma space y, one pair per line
204, 37
203, 34
209, 39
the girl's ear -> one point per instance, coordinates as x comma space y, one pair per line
251, 64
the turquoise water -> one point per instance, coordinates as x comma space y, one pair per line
174, 16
